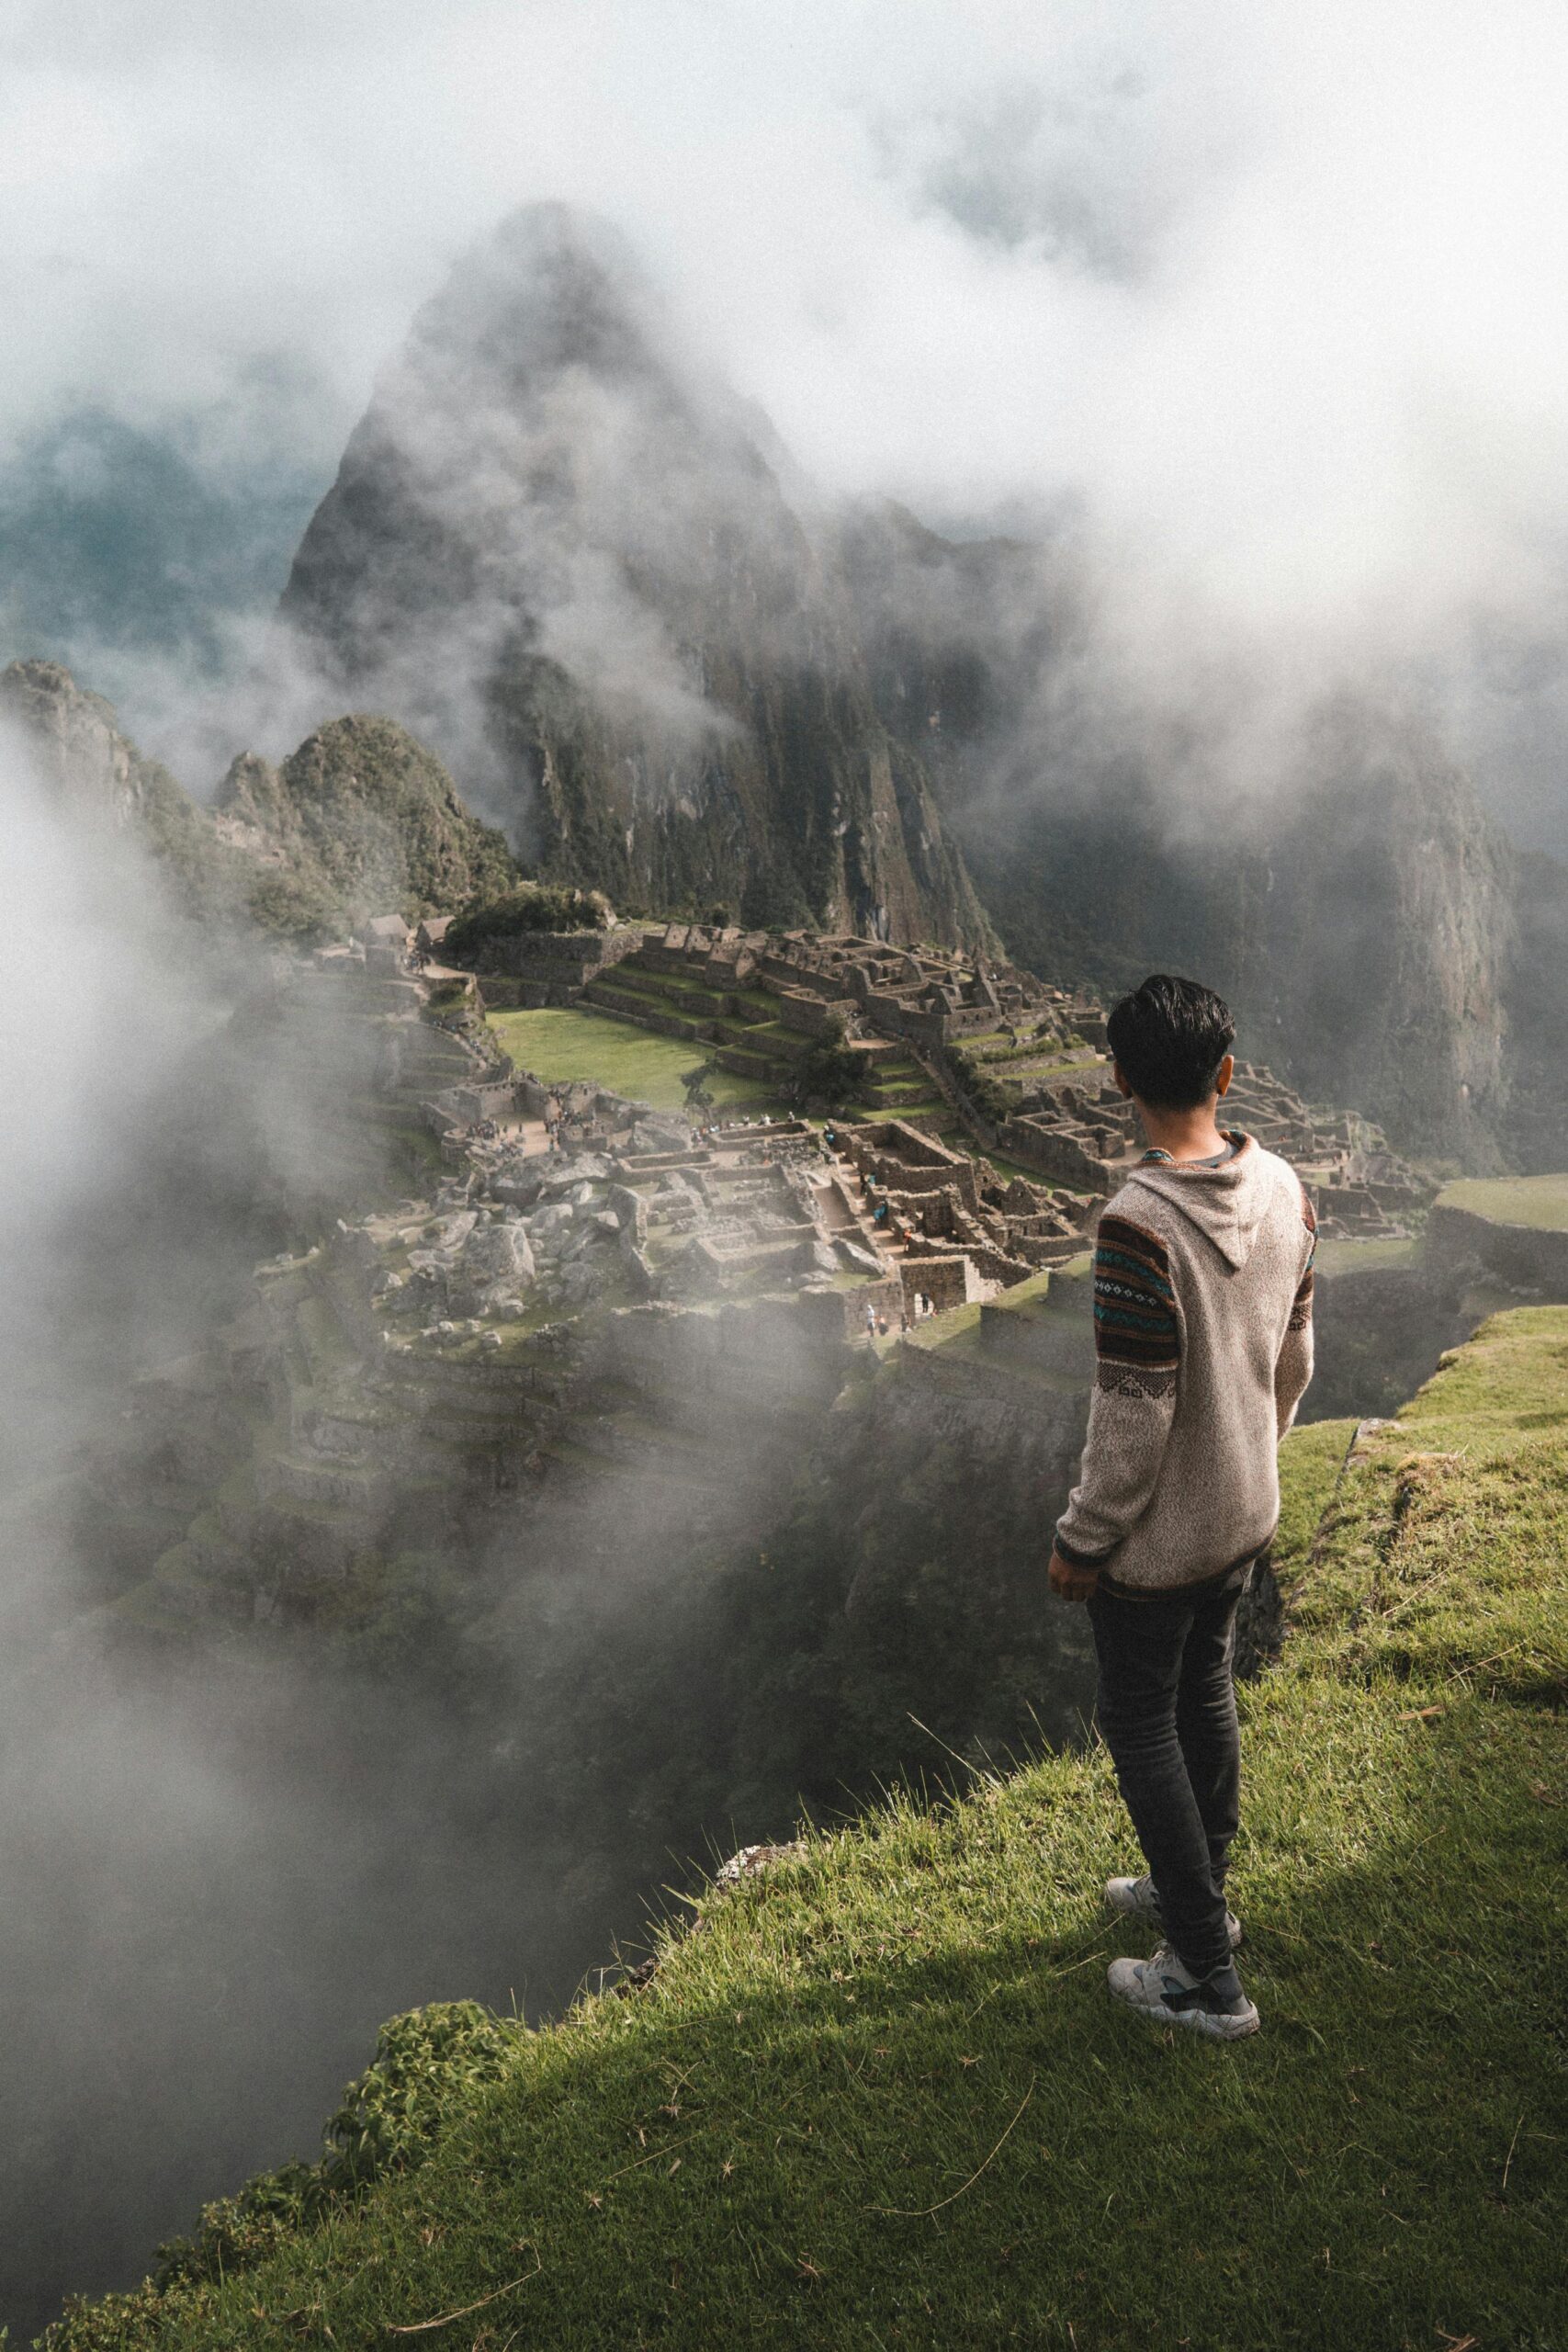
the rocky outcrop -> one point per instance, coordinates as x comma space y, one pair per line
77, 746
549, 524
98, 775
361, 819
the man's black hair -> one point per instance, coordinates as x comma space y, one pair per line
1169, 1038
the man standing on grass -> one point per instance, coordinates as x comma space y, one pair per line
1202, 1327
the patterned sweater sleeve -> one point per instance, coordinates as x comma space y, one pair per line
1293, 1368
1137, 1346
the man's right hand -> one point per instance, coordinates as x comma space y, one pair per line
1071, 1583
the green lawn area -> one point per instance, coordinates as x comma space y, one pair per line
559, 1042
1364, 1257
881, 2097
1062, 1289
1540, 1201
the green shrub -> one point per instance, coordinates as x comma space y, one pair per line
830, 1072
296, 902
430, 2065
537, 906
987, 1093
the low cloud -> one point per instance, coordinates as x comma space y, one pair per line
1268, 301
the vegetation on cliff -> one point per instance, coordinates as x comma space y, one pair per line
360, 821
536, 907
1538, 1202
550, 517
109, 784
879, 2095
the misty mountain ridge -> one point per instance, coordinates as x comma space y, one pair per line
566, 557
588, 575
361, 816
360, 819
593, 580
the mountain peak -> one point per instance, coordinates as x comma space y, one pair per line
552, 289
558, 550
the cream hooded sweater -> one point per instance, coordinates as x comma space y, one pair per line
1202, 1326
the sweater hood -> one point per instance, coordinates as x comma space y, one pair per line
1227, 1203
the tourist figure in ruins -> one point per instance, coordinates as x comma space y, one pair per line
870, 1320
1202, 1323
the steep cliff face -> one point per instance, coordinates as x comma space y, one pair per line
1362, 923
1539, 1011
1365, 933
1385, 945
1357, 906
571, 560
73, 742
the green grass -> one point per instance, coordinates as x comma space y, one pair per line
931, 1105
880, 2098
944, 1330
1540, 1201
1365, 1257
559, 1043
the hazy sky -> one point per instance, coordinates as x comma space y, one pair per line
1275, 294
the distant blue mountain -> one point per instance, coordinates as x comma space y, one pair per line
116, 543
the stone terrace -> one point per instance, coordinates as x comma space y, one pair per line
925, 1202
760, 1000
1079, 1133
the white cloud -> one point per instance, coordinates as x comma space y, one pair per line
1273, 291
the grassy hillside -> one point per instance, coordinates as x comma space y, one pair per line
881, 2097
1539, 1201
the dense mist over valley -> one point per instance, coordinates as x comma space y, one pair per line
1073, 499
221, 1871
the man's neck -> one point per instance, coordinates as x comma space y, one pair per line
1185, 1135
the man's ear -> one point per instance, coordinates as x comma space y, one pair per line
1225, 1074
1121, 1086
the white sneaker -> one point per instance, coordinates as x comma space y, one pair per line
1163, 1989
1137, 1899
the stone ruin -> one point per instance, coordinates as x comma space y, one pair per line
928, 1202
633, 1205
1081, 1134
743, 1205
929, 997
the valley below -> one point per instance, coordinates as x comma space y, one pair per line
545, 1520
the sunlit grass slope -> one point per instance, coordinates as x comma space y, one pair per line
881, 2098
1539, 1201
558, 1043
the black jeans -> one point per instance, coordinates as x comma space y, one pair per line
1166, 1711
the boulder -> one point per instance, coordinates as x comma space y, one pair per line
495, 1263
